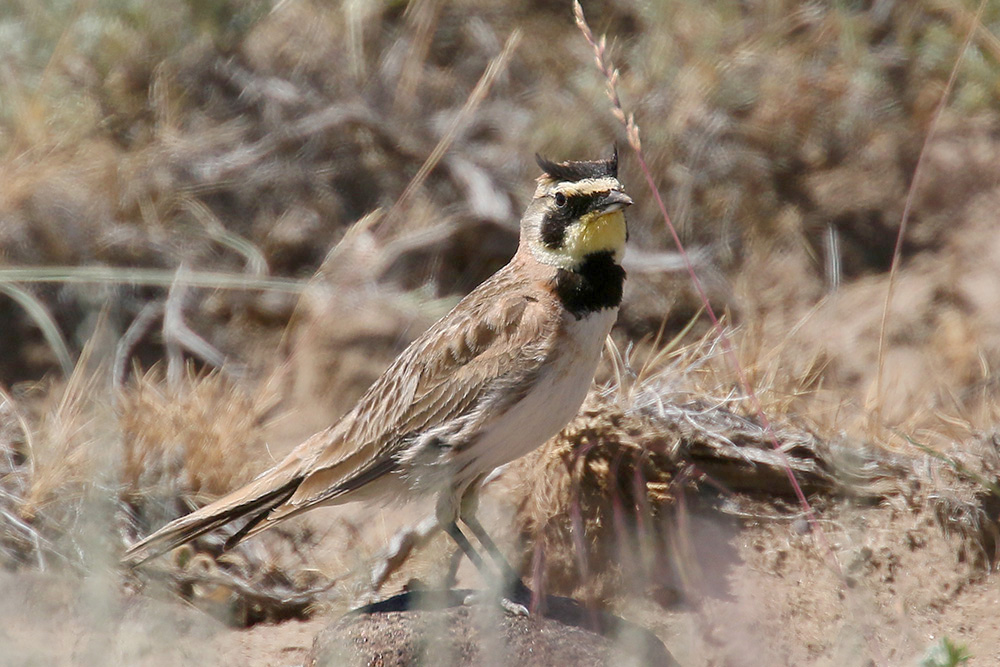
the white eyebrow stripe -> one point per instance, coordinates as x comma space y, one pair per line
588, 186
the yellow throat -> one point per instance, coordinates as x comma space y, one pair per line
597, 232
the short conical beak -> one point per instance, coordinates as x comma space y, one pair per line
614, 201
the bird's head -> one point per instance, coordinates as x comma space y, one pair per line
577, 210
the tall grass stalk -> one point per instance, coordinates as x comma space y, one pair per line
40, 314
11, 278
632, 135
69, 275
495, 67
908, 205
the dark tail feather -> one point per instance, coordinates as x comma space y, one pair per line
207, 519
238, 536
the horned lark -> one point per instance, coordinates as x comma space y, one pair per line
495, 378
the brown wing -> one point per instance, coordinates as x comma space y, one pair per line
497, 337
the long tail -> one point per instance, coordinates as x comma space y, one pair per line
257, 500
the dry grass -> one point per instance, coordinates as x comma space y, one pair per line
245, 139
228, 143
603, 508
183, 448
259, 132
94, 479
614, 507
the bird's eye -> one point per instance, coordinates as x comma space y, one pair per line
560, 199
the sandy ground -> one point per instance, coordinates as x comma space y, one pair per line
764, 593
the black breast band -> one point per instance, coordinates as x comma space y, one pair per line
595, 285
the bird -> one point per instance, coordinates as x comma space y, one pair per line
504, 371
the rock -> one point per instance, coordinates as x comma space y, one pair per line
390, 634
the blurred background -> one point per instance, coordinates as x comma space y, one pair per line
247, 137
228, 216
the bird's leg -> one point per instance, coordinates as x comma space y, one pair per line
401, 546
512, 584
447, 513
447, 516
451, 580
463, 543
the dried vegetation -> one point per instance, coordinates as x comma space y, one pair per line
94, 480
249, 137
605, 508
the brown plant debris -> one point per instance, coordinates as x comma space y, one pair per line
70, 502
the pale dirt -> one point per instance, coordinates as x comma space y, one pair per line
765, 595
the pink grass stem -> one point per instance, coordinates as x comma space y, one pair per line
632, 133
897, 250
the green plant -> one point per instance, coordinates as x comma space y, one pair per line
946, 653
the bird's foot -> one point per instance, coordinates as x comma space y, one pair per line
514, 608
515, 600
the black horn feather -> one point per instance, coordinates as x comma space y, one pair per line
577, 171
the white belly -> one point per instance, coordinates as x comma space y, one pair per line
548, 407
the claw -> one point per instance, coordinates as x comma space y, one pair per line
508, 605
513, 608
